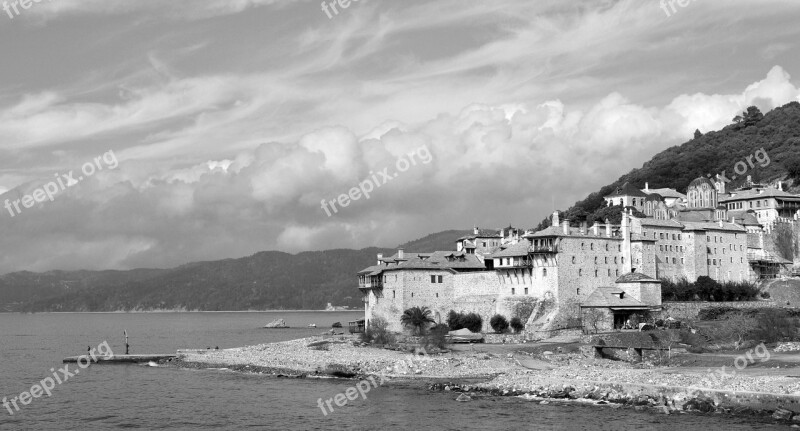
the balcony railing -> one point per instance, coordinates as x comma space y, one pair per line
543, 249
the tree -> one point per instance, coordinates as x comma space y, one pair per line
592, 319
752, 116
697, 133
417, 318
517, 325
499, 323
792, 166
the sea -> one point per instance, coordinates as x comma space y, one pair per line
110, 397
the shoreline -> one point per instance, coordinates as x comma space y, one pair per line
484, 374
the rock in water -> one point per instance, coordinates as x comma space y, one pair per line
277, 323
463, 398
337, 325
783, 414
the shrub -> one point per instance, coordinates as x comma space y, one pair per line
517, 325
454, 320
707, 289
715, 313
499, 323
765, 295
377, 332
473, 322
774, 325
437, 337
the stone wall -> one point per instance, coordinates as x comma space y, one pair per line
689, 310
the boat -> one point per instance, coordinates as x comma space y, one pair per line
312, 325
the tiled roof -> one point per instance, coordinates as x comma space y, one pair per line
741, 195
654, 197
435, 260
609, 297
633, 277
627, 190
482, 233
518, 249
688, 225
744, 217
667, 193
660, 223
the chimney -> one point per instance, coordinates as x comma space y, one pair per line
380, 256
780, 185
749, 179
503, 235
400, 254
565, 227
555, 219
596, 228
584, 227
646, 187
608, 228
476, 231
720, 223
733, 220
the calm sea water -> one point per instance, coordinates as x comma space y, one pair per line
142, 397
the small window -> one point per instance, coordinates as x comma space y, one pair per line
544, 272
393, 295
580, 272
595, 273
578, 291
437, 295
433, 279
513, 291
526, 290
440, 279
573, 259
591, 246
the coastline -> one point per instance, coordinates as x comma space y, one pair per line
570, 378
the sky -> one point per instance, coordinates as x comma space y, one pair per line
147, 133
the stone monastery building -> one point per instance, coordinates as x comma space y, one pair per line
567, 268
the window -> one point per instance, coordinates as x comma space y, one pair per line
619, 247
440, 279
591, 246
606, 247
617, 273
526, 290
615, 259
544, 272
606, 259
673, 237
660, 248
437, 295
595, 260
623, 259
484, 243
709, 261
412, 294
433, 279
580, 272
609, 272
573, 259
595, 273
674, 260
394, 295
661, 235
578, 291
679, 237
682, 261
513, 291
583, 245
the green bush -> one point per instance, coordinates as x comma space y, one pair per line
775, 325
517, 325
377, 332
707, 289
471, 321
499, 323
437, 337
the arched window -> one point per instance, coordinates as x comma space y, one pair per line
544, 272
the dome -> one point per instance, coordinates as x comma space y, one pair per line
700, 181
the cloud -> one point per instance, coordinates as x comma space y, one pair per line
485, 158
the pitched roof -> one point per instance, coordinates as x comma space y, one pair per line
688, 225
633, 277
447, 260
654, 197
518, 249
482, 233
660, 223
627, 190
610, 297
758, 193
666, 193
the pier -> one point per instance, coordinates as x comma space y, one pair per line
122, 359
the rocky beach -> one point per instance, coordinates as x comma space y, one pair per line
492, 370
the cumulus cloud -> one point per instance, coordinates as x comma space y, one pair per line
490, 165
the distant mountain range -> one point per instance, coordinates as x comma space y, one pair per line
264, 281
